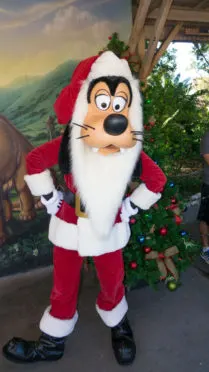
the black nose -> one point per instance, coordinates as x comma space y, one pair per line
115, 124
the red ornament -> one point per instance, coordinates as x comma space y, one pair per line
163, 231
132, 221
133, 265
110, 37
173, 200
147, 249
178, 220
161, 256
162, 277
152, 123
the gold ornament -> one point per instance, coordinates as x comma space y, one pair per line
172, 285
177, 211
152, 230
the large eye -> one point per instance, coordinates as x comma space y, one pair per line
119, 104
102, 102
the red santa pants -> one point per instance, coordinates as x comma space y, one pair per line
59, 320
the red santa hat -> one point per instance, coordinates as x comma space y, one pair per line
106, 64
64, 104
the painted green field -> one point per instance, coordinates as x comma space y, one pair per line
28, 102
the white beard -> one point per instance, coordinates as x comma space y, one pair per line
101, 182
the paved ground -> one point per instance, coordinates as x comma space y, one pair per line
171, 329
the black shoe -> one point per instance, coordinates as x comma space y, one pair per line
47, 348
123, 343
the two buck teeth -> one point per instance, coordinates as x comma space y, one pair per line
96, 149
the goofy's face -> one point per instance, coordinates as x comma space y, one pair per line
106, 127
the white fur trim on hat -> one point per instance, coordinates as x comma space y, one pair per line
40, 183
57, 327
113, 317
109, 64
143, 198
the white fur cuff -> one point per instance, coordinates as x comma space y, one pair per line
143, 198
57, 327
40, 183
113, 317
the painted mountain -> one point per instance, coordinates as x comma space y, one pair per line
28, 104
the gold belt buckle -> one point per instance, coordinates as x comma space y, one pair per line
78, 211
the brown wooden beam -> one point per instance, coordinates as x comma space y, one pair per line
155, 4
201, 4
148, 31
157, 31
141, 46
138, 25
165, 45
183, 15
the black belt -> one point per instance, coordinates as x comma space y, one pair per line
74, 201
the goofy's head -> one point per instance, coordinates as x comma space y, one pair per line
103, 107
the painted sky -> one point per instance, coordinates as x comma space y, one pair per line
36, 36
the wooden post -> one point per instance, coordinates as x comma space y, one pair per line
138, 24
165, 45
141, 47
157, 30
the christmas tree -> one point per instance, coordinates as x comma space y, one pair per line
159, 248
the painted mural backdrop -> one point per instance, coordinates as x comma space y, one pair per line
41, 41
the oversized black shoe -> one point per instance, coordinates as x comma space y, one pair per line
123, 343
47, 348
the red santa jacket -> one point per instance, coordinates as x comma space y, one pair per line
40, 182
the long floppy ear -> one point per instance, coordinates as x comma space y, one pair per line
137, 171
64, 153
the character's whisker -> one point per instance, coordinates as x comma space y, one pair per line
137, 132
89, 126
79, 125
137, 139
83, 136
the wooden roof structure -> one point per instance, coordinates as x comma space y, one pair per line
165, 21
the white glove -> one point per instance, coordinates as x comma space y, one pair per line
54, 203
127, 210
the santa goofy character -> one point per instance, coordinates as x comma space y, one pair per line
99, 153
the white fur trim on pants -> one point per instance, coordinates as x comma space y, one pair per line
143, 198
113, 317
57, 327
40, 183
